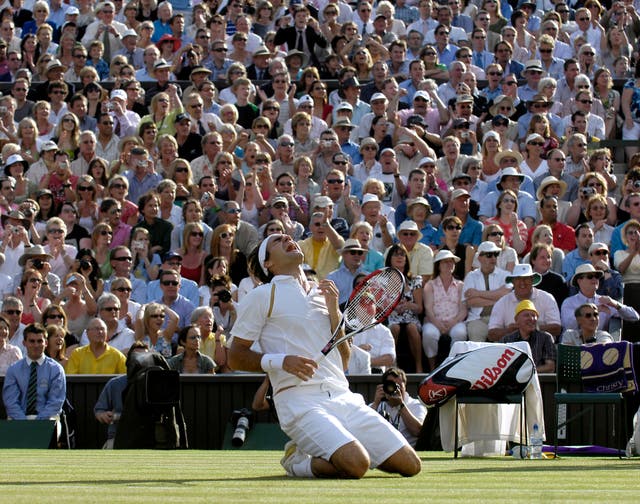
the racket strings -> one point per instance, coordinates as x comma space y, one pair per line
375, 300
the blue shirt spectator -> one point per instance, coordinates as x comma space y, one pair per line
139, 187
51, 391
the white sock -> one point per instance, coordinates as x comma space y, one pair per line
303, 469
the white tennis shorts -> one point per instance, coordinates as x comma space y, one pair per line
322, 419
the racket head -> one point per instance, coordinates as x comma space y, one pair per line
373, 300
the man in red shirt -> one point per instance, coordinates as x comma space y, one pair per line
563, 235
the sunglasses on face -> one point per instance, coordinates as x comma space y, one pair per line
490, 254
173, 283
496, 233
454, 228
590, 315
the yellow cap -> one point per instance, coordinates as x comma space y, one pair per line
525, 305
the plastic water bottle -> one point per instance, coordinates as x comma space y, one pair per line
535, 450
520, 452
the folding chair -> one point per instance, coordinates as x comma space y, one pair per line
569, 374
479, 398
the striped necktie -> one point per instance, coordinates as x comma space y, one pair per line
32, 390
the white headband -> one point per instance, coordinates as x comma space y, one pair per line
262, 252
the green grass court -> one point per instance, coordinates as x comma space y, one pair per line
62, 477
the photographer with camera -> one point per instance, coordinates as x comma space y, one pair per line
35, 257
224, 309
401, 410
15, 239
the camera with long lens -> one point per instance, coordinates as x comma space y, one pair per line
242, 420
390, 387
38, 264
84, 264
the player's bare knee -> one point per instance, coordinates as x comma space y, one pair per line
351, 460
412, 467
357, 468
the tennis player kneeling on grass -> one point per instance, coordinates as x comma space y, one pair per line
333, 432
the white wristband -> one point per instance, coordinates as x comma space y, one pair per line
271, 362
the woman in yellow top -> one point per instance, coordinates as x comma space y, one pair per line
213, 341
164, 109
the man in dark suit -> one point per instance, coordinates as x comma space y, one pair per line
259, 69
304, 35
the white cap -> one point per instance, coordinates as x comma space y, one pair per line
370, 198
119, 93
130, 33
488, 246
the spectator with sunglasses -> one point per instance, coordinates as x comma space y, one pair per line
171, 298
587, 332
586, 280
321, 248
551, 65
121, 288
611, 283
353, 255
482, 288
188, 288
12, 309
35, 257
117, 316
54, 315
121, 262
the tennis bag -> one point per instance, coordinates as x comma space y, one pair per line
492, 370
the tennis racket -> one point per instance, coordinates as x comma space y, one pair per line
370, 303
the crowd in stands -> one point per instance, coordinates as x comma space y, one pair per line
147, 148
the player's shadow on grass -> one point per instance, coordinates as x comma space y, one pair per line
149, 482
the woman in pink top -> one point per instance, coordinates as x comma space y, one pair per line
515, 230
444, 309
